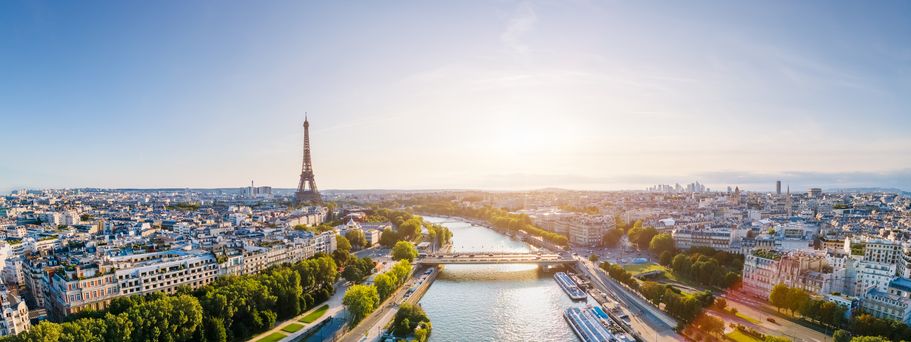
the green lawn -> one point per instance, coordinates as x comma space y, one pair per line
747, 318
739, 336
273, 337
635, 269
293, 327
309, 318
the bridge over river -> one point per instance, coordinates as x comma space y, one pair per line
491, 258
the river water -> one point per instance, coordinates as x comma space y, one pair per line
494, 302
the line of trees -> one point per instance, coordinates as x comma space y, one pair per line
619, 274
438, 232
861, 324
358, 269
845, 336
705, 269
361, 300
407, 227
799, 301
232, 308
684, 307
496, 217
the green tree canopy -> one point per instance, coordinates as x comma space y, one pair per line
357, 238
404, 250
361, 300
661, 243
612, 237
342, 244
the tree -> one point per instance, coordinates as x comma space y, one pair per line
361, 300
342, 244
633, 233
404, 250
645, 237
388, 237
401, 270
681, 264
779, 296
408, 318
841, 336
353, 273
666, 258
215, 330
593, 258
43, 332
357, 238
661, 243
612, 237
385, 284
410, 229
709, 324
797, 299
422, 332
721, 303
342, 257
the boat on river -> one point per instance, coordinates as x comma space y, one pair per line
569, 286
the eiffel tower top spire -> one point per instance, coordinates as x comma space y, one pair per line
306, 188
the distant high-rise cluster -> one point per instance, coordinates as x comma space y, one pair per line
258, 191
694, 187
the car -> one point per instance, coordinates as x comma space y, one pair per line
770, 319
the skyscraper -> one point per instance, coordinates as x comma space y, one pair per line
778, 187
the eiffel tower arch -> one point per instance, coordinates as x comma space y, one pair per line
306, 188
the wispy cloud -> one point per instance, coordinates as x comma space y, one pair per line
522, 22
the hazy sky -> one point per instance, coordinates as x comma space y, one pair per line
459, 94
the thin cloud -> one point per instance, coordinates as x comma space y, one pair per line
522, 22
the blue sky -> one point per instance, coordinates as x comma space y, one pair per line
468, 94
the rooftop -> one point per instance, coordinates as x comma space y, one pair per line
903, 284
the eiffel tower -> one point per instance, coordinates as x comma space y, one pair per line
303, 194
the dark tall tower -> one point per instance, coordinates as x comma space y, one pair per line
306, 189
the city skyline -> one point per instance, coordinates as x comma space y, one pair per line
502, 96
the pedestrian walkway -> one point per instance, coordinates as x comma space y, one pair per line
292, 329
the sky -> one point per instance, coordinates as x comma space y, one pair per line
591, 95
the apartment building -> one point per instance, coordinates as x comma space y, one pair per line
83, 286
893, 303
718, 238
765, 268
164, 271
882, 251
14, 318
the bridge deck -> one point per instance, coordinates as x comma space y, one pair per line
495, 258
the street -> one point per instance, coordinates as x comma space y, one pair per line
644, 318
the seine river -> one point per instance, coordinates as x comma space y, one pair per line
494, 302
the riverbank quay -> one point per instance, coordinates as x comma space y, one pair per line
372, 326
648, 321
